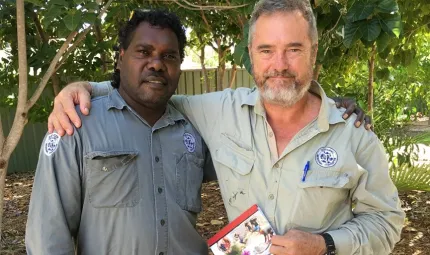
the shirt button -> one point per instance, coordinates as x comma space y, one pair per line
161, 253
157, 159
270, 134
104, 168
162, 222
160, 190
271, 196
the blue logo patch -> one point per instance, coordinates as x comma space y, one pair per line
326, 157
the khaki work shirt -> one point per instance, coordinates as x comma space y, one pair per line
119, 186
347, 191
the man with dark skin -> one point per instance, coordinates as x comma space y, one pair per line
129, 181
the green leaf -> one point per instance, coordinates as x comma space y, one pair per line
54, 12
383, 74
63, 3
72, 21
352, 33
371, 30
35, 2
382, 41
89, 18
387, 6
241, 55
92, 6
360, 11
392, 24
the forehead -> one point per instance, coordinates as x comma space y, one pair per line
147, 34
281, 27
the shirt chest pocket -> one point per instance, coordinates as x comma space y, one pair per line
189, 177
113, 179
234, 174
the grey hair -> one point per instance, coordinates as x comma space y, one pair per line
264, 7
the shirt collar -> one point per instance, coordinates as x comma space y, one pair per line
328, 114
171, 115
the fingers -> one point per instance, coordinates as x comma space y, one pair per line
60, 119
278, 250
84, 99
50, 124
360, 118
57, 127
349, 110
368, 122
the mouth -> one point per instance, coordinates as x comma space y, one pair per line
157, 81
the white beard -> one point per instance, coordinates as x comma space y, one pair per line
285, 96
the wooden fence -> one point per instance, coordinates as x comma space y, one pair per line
26, 154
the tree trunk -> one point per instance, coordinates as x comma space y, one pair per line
3, 170
370, 82
9, 143
317, 71
220, 69
233, 75
204, 71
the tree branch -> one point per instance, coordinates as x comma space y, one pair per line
81, 38
50, 71
1, 135
21, 113
212, 7
39, 28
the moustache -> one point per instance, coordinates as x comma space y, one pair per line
153, 76
284, 74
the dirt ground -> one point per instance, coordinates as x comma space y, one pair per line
415, 237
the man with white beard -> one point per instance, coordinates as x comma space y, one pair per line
323, 184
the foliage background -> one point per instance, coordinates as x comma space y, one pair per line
375, 51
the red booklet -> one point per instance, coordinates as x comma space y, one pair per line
248, 234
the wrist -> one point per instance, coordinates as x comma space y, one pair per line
322, 248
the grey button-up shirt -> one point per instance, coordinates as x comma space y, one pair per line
119, 186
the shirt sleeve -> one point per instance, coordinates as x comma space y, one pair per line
378, 216
202, 110
56, 203
100, 88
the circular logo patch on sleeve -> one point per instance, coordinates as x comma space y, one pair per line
51, 144
326, 157
190, 142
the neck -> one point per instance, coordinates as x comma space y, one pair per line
280, 114
150, 114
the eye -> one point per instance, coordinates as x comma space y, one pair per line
265, 51
144, 52
170, 57
294, 50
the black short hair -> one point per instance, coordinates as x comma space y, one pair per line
156, 17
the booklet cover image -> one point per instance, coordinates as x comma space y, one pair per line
248, 234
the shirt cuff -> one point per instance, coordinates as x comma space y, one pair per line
343, 241
100, 88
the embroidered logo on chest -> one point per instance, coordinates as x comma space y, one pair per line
326, 157
190, 142
51, 144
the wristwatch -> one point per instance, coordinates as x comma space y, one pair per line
329, 243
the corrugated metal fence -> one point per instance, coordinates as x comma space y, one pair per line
26, 154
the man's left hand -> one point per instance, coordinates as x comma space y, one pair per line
296, 242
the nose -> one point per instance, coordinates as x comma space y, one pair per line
280, 62
156, 64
